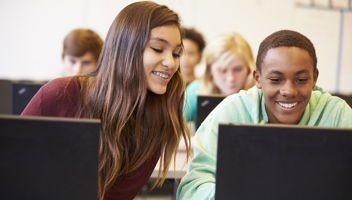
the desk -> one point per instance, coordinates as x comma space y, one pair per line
175, 172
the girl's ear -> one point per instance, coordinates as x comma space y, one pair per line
256, 77
315, 76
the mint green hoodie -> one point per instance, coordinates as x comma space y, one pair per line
249, 107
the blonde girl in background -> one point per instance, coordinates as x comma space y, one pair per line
229, 65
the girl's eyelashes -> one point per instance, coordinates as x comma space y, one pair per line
175, 55
157, 50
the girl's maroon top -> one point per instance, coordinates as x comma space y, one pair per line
57, 99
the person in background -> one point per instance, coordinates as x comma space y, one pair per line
285, 93
229, 65
81, 50
193, 43
137, 92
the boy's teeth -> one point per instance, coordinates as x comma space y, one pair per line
161, 75
288, 105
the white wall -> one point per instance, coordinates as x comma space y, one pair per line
32, 31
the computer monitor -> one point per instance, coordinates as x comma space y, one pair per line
48, 158
283, 162
205, 104
5, 97
15, 95
22, 93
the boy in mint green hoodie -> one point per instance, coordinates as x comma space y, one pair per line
285, 92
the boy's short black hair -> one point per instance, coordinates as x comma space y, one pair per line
285, 38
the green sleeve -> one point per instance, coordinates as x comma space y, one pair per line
199, 182
190, 103
326, 110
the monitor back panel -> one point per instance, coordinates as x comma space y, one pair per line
48, 158
22, 93
5, 97
205, 104
277, 162
15, 95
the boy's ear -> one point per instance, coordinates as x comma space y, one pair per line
315, 76
256, 77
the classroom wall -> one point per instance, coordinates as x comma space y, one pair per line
32, 31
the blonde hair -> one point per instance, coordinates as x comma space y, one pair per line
220, 52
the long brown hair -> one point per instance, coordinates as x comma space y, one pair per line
135, 123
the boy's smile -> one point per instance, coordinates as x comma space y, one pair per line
287, 78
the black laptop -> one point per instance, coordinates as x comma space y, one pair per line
205, 104
48, 158
5, 97
22, 93
15, 95
278, 162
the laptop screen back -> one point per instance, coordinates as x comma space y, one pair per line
5, 97
205, 104
48, 158
283, 162
15, 95
22, 93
